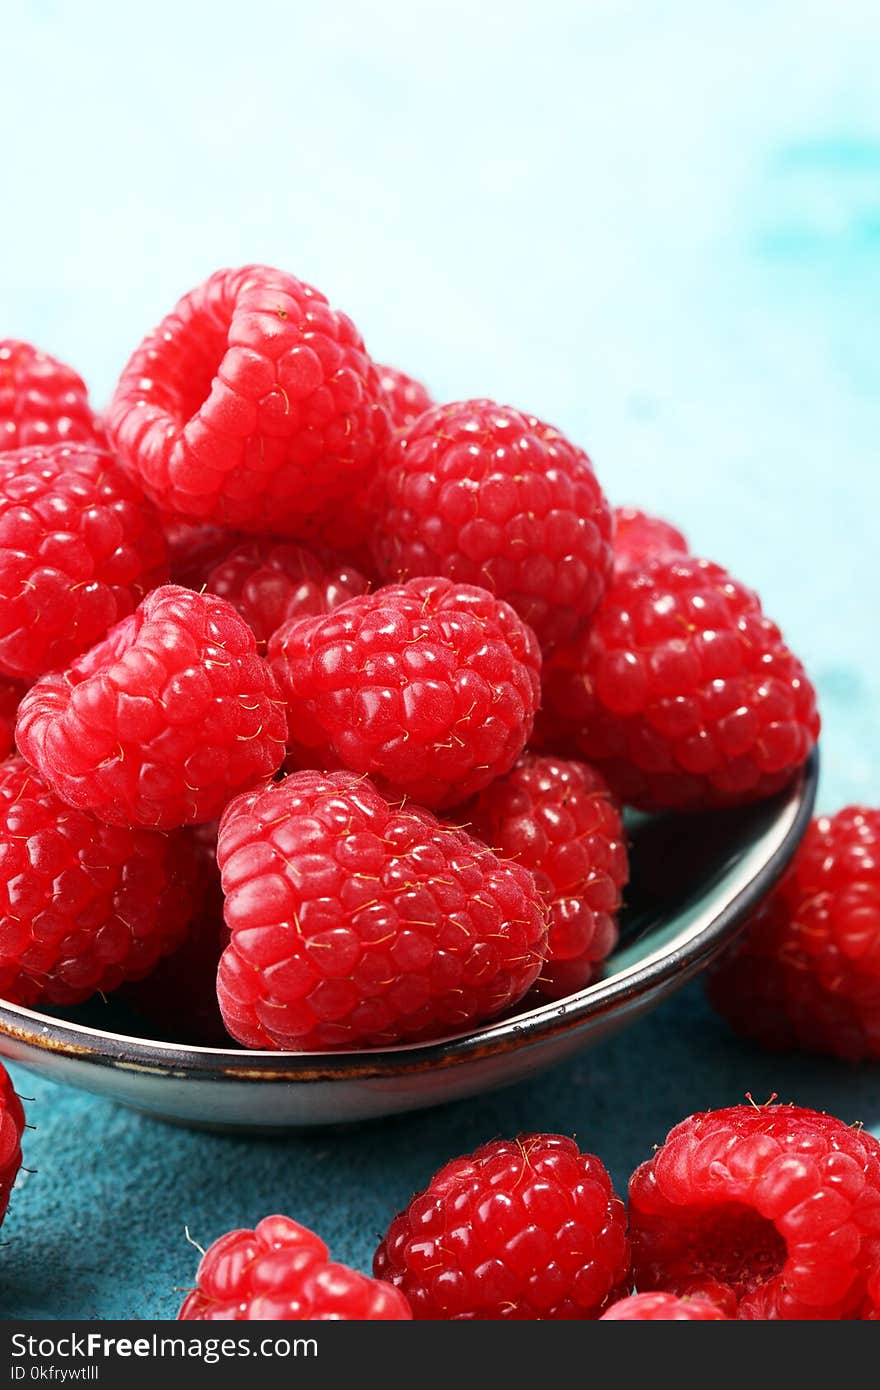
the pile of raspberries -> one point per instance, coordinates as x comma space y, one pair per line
320, 704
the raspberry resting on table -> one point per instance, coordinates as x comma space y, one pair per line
485, 495
252, 405
772, 1212
162, 722
281, 1272
806, 972
682, 693
640, 538
273, 582
355, 923
11, 1129
522, 1229
429, 687
42, 401
559, 819
407, 398
79, 548
84, 906
663, 1307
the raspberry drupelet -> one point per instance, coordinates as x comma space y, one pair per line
485, 495
663, 1307
282, 1272
84, 906
11, 694
772, 1212
354, 923
162, 722
407, 398
12, 1120
640, 538
806, 972
79, 548
559, 819
429, 687
42, 400
274, 582
525, 1228
254, 405
683, 693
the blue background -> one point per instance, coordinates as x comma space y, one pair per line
658, 226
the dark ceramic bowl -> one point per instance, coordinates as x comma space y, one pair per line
694, 881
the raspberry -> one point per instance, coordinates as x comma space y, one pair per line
806, 973
179, 998
640, 538
558, 819
253, 404
83, 905
407, 398
771, 1212
42, 401
271, 582
162, 722
79, 549
11, 1130
430, 687
194, 548
524, 1228
11, 693
663, 1307
281, 1272
356, 923
485, 495
683, 693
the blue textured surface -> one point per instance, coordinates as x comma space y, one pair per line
657, 226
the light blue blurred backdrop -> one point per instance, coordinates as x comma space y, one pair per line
658, 226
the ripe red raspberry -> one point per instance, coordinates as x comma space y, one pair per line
407, 398
429, 687
83, 905
663, 1307
11, 694
162, 722
273, 582
770, 1212
282, 1272
79, 549
683, 693
253, 404
11, 1130
640, 538
525, 1228
42, 401
356, 923
485, 495
806, 973
559, 820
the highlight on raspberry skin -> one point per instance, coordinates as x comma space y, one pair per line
487, 495
354, 922
683, 693
663, 1307
428, 687
84, 906
768, 1211
806, 972
254, 405
640, 538
558, 818
42, 400
12, 1122
281, 1271
522, 1229
162, 722
407, 398
79, 548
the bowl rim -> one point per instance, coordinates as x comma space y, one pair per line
673, 961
